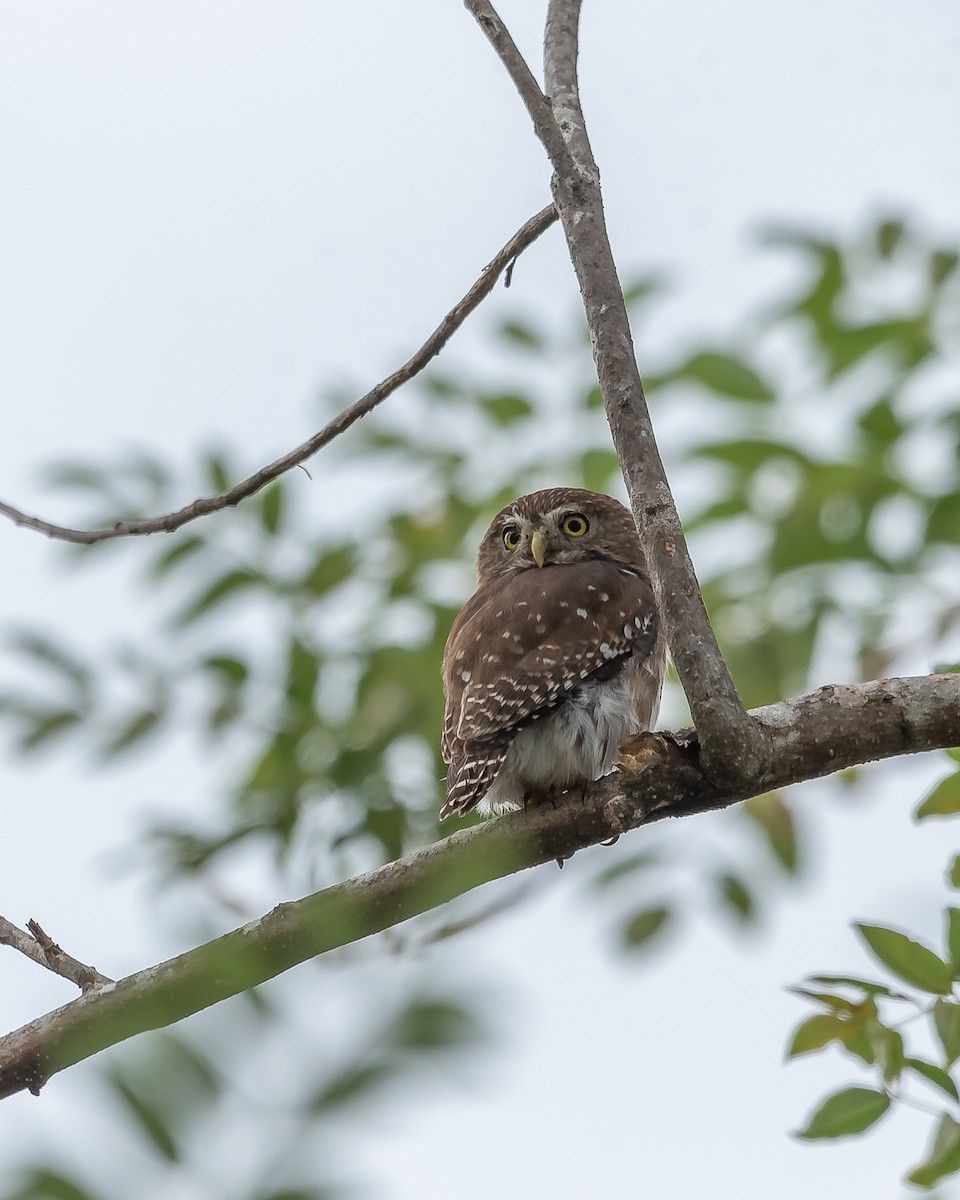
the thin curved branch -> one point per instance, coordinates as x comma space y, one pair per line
36, 944
733, 745
537, 105
169, 522
660, 776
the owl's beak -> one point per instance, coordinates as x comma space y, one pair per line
538, 547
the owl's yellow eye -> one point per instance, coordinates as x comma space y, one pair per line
575, 524
511, 537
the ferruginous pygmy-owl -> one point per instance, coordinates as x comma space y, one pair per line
555, 659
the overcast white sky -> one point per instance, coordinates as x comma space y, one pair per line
209, 213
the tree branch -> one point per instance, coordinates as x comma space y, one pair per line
733, 746
661, 775
37, 945
169, 522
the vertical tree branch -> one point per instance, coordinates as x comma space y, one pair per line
733, 746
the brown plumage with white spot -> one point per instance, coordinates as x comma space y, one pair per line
556, 658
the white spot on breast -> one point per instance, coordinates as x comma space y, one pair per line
606, 651
465, 676
628, 631
582, 612
604, 596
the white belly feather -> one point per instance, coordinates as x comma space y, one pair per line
574, 743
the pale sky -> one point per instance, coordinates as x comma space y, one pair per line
212, 213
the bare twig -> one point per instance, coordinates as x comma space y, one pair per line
536, 102
732, 745
661, 776
39, 946
171, 521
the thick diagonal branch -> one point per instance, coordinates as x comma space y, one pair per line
169, 522
732, 745
661, 776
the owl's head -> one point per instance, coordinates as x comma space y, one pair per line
558, 526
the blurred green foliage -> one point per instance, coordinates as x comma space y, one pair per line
298, 638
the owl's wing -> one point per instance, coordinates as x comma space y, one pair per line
521, 645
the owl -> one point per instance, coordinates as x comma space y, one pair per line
555, 659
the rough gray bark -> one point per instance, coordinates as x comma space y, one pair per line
661, 776
734, 747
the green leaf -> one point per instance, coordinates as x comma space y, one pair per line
139, 726
907, 959
218, 472
594, 398
888, 236
598, 467
835, 1003
353, 1083
625, 867
40, 1183
148, 1117
46, 725
942, 800
946, 1021
331, 568
272, 506
889, 1050
45, 653
933, 1074
522, 335
952, 939
814, 1033
507, 408
222, 589
860, 1041
881, 424
642, 289
943, 263
182, 549
645, 925
737, 896
433, 1025
868, 986
79, 477
231, 670
943, 1158
849, 1111
774, 818
727, 375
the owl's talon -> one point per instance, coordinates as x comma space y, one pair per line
611, 841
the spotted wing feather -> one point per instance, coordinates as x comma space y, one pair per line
521, 645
